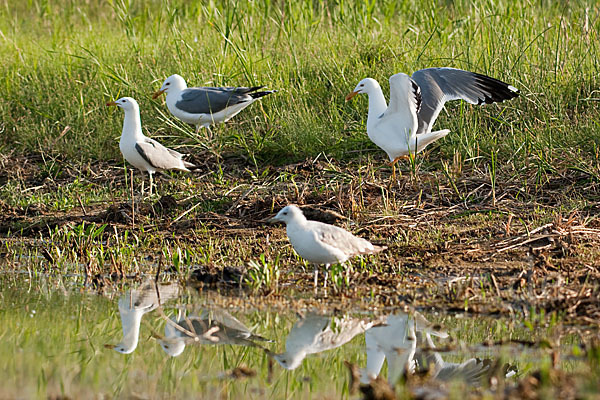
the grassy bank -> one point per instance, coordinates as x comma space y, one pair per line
62, 61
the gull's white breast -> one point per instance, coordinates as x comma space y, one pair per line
133, 157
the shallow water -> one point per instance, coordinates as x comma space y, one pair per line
169, 341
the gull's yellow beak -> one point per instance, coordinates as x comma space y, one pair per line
156, 94
111, 103
351, 95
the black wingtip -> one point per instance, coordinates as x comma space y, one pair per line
498, 91
417, 93
254, 88
256, 95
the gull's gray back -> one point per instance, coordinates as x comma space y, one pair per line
209, 100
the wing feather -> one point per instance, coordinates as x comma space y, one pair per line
439, 85
210, 100
159, 156
343, 240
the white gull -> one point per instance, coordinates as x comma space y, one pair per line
321, 243
204, 106
144, 153
403, 128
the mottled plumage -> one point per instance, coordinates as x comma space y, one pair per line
321, 243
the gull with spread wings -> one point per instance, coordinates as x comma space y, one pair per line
403, 128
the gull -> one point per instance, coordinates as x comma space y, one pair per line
316, 333
395, 340
403, 128
132, 307
211, 327
321, 243
471, 371
144, 153
204, 106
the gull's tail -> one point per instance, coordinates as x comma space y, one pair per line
425, 139
189, 165
373, 249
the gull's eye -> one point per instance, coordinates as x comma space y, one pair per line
166, 346
285, 213
123, 101
167, 84
362, 84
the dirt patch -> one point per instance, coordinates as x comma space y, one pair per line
455, 240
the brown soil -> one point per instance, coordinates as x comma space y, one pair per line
455, 241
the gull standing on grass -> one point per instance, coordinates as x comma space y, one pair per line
403, 128
144, 153
204, 106
321, 243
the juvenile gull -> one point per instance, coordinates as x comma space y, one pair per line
144, 153
321, 243
316, 333
204, 106
404, 128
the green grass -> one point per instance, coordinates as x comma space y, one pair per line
535, 158
62, 61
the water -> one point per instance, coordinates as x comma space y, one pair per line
168, 341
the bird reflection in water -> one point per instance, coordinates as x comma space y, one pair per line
215, 326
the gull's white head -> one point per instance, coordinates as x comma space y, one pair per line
173, 347
174, 82
288, 214
289, 361
123, 348
367, 85
172, 344
126, 103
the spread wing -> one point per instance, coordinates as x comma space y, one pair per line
439, 85
399, 121
404, 92
210, 100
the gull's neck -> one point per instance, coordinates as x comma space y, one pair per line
132, 124
298, 220
131, 330
377, 105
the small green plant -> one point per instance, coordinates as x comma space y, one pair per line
263, 273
